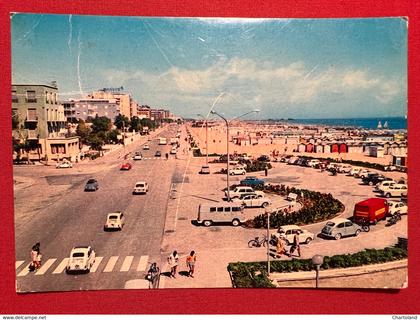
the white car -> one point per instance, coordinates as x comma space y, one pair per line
397, 206
253, 200
237, 192
288, 232
64, 164
115, 220
396, 190
137, 156
141, 187
313, 163
363, 173
81, 259
237, 171
173, 150
146, 147
384, 184
344, 168
354, 171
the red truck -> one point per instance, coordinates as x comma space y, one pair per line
370, 210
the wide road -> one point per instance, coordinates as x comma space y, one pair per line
77, 218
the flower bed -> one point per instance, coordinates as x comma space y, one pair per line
254, 274
316, 207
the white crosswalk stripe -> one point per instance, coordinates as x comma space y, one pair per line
96, 264
45, 267
127, 263
18, 264
142, 263
61, 266
111, 264
50, 266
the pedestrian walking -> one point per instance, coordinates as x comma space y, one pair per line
281, 249
266, 171
191, 259
296, 244
35, 257
173, 262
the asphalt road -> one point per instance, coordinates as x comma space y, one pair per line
75, 217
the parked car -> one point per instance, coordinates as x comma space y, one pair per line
375, 178
397, 206
354, 171
81, 259
263, 158
140, 187
390, 168
244, 157
91, 185
252, 181
363, 173
64, 165
339, 227
313, 163
137, 156
173, 150
344, 168
240, 190
215, 212
288, 232
205, 170
237, 171
158, 154
126, 166
293, 160
370, 211
115, 220
146, 147
396, 190
253, 200
384, 184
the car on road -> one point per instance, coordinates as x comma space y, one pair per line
146, 147
340, 227
158, 154
81, 258
126, 166
237, 171
375, 178
287, 232
397, 206
252, 181
140, 187
114, 221
205, 170
138, 156
173, 150
396, 190
64, 165
253, 200
237, 192
91, 185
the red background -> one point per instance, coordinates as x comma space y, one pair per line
208, 300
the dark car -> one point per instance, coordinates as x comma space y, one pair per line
158, 154
374, 178
264, 158
252, 182
91, 185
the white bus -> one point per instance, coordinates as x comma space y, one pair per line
162, 141
220, 212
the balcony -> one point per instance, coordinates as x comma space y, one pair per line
31, 100
31, 116
32, 134
15, 100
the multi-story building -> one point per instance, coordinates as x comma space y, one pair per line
143, 112
122, 99
40, 122
90, 108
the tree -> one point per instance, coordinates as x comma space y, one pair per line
15, 121
96, 141
145, 122
121, 121
135, 124
112, 136
83, 130
101, 124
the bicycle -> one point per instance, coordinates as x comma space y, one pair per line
257, 242
153, 275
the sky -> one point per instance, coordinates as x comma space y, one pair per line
286, 68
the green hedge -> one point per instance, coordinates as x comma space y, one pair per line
316, 207
244, 274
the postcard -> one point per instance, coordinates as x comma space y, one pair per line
154, 153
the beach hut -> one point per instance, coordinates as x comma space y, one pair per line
301, 147
327, 148
342, 148
319, 148
334, 148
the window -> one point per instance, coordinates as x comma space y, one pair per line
236, 209
14, 96
212, 209
348, 224
30, 96
341, 225
227, 209
220, 209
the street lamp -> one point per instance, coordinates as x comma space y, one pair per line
317, 260
227, 142
207, 140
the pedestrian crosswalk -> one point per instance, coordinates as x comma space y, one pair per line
101, 265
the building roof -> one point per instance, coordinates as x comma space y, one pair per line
34, 85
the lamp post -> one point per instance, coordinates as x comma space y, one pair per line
227, 142
317, 260
207, 140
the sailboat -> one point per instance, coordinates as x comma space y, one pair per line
386, 125
379, 125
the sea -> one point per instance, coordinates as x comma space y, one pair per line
394, 123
